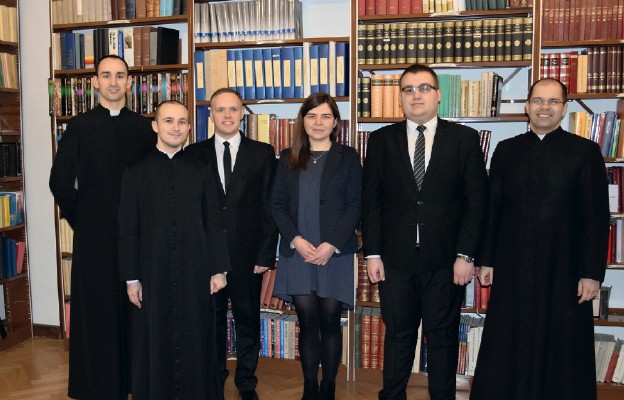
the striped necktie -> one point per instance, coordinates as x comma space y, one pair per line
419, 156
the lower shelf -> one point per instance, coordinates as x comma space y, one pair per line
16, 336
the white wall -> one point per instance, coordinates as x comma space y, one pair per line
37, 147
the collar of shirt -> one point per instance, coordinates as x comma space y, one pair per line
429, 133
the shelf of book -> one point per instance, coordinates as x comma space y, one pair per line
175, 19
9, 91
272, 101
269, 43
615, 318
488, 64
581, 43
502, 118
133, 70
447, 15
12, 228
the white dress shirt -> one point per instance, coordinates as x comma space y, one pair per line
219, 148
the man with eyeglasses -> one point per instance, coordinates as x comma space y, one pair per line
546, 238
424, 197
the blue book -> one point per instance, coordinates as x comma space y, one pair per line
4, 267
130, 9
231, 69
120, 46
248, 72
342, 69
68, 59
240, 73
258, 67
202, 113
323, 60
607, 133
314, 68
200, 83
276, 61
287, 57
11, 256
298, 77
268, 74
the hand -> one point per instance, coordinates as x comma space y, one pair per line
217, 282
135, 293
462, 271
588, 289
322, 254
486, 276
304, 248
375, 269
258, 269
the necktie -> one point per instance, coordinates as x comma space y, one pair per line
419, 156
227, 165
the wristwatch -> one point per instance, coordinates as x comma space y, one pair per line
465, 257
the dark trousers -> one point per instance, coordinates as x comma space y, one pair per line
406, 297
244, 294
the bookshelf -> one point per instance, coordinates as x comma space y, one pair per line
89, 33
15, 311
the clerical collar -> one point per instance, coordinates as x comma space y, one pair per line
114, 113
170, 155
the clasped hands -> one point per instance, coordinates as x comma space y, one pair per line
311, 254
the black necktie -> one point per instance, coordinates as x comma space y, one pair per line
419, 156
227, 165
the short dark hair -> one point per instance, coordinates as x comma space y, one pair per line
417, 68
225, 90
167, 102
113, 56
564, 89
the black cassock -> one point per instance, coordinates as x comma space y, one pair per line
172, 242
85, 181
548, 227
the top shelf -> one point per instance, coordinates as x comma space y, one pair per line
273, 43
175, 19
446, 16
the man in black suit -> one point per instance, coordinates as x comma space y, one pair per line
244, 170
424, 194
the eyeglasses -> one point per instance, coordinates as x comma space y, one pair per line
551, 102
422, 89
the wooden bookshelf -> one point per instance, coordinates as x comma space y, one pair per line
16, 289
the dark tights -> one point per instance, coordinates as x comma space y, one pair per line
320, 335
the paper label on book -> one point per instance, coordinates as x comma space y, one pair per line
613, 198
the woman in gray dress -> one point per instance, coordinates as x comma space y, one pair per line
316, 206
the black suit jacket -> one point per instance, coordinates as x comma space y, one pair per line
339, 203
449, 209
246, 208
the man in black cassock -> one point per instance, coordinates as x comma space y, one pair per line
546, 238
173, 256
85, 181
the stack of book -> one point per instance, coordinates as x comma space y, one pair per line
138, 46
77, 11
12, 253
593, 70
8, 27
609, 354
602, 128
390, 7
378, 96
274, 73
8, 71
251, 20
577, 20
462, 41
